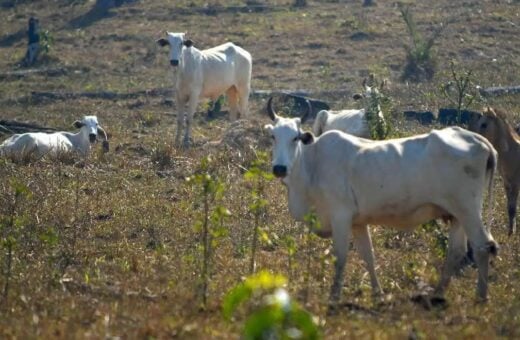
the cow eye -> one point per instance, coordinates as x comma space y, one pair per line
295, 139
483, 126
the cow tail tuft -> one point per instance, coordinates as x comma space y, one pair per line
491, 168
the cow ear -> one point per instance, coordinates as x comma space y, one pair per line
188, 43
357, 96
307, 138
77, 124
162, 42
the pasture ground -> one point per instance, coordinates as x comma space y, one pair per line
108, 248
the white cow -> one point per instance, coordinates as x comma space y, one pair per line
350, 182
207, 74
352, 121
38, 144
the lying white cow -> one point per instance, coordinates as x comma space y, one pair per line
353, 122
350, 182
207, 74
39, 144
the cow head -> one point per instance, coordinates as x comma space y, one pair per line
287, 139
177, 42
492, 125
90, 127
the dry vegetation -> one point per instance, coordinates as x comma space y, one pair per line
107, 247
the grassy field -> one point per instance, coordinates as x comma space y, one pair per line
109, 246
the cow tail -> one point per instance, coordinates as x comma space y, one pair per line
491, 168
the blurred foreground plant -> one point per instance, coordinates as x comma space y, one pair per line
272, 314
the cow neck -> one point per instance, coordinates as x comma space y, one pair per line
79, 140
299, 170
189, 58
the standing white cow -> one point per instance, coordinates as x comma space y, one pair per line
350, 182
207, 74
39, 144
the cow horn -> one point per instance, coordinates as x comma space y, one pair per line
307, 113
270, 111
103, 134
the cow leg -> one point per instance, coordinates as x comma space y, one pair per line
483, 245
456, 251
243, 103
192, 106
232, 97
512, 196
363, 244
341, 234
180, 120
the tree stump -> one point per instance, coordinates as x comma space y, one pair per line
33, 44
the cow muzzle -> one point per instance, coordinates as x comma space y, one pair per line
92, 137
280, 171
174, 62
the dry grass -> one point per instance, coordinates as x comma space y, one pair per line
106, 247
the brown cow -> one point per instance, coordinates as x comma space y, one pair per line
493, 125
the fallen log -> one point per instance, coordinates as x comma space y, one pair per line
51, 72
12, 127
423, 117
449, 116
499, 91
300, 105
110, 95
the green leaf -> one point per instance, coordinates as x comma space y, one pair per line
264, 323
234, 298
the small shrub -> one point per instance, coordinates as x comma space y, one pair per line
379, 126
258, 176
420, 57
210, 225
460, 90
310, 240
46, 41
